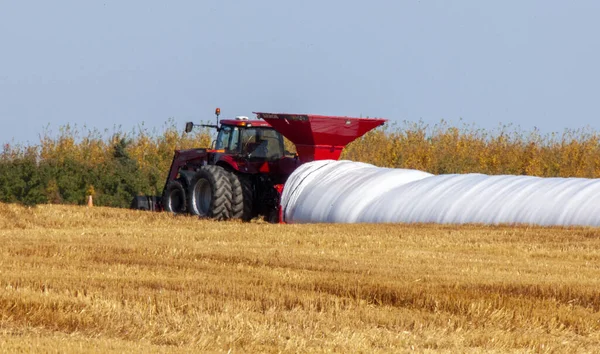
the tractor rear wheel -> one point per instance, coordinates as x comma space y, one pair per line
174, 199
209, 193
241, 202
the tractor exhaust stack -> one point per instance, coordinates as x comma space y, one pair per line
319, 137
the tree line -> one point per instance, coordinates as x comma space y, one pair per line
115, 166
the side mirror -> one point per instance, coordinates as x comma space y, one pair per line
188, 127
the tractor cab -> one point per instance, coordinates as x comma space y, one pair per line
249, 139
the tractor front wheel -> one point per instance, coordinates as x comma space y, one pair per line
209, 193
174, 199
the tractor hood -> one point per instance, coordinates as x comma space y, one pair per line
319, 137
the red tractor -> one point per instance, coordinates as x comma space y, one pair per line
242, 175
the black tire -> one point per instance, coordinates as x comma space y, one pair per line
139, 203
241, 201
144, 202
174, 198
209, 193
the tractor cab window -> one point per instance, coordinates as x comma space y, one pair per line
223, 137
228, 139
234, 141
263, 143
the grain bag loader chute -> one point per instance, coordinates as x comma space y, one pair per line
243, 174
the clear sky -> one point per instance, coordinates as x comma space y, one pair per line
108, 63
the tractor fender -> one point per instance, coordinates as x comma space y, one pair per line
228, 164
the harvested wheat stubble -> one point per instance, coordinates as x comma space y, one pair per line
78, 279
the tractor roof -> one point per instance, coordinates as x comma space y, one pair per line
245, 123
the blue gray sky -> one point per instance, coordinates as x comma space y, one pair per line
113, 63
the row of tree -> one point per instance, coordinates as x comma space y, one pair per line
114, 167
31, 180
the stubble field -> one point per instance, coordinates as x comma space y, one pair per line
78, 279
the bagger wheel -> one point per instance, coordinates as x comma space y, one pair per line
241, 201
174, 199
209, 193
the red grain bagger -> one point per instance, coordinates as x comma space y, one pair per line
242, 175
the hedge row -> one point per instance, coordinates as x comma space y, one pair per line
114, 167
68, 166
